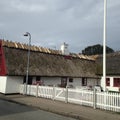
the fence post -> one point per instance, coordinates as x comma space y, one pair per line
66, 95
37, 90
53, 95
105, 96
24, 90
94, 98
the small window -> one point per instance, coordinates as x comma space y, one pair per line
63, 81
29, 81
84, 81
107, 81
30, 78
116, 82
38, 78
71, 80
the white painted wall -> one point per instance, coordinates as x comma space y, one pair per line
3, 80
111, 81
77, 82
111, 87
13, 84
51, 80
92, 82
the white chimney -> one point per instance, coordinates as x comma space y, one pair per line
64, 49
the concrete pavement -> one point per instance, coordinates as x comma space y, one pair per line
71, 110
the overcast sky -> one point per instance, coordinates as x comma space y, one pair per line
52, 22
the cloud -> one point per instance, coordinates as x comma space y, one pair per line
52, 22
26, 8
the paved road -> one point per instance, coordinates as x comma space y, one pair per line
13, 111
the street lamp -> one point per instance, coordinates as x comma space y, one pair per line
104, 44
27, 34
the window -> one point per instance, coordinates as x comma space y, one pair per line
107, 81
116, 82
63, 82
84, 81
71, 80
38, 81
29, 82
38, 78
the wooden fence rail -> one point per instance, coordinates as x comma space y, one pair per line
102, 100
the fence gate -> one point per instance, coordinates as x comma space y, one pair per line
60, 94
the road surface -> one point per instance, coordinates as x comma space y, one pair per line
13, 111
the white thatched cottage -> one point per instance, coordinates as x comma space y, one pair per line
47, 67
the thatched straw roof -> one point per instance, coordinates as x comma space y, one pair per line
18, 45
112, 64
46, 62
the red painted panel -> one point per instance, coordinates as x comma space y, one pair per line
107, 81
116, 82
2, 61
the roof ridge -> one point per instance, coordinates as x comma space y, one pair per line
18, 45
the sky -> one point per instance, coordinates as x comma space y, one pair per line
79, 23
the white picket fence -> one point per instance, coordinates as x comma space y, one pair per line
102, 100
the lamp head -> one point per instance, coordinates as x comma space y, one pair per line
26, 34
